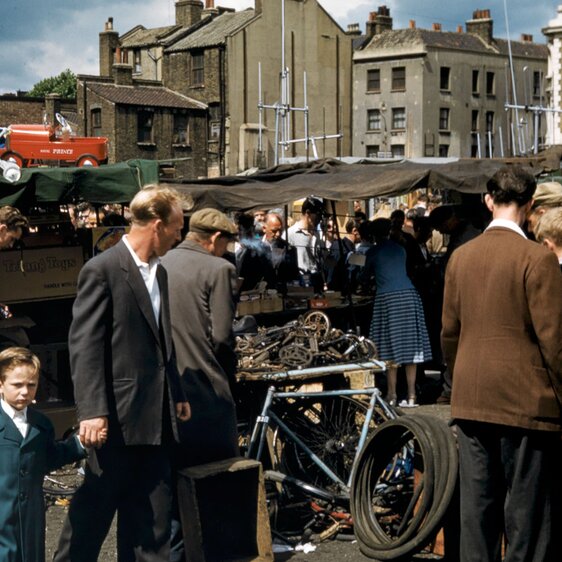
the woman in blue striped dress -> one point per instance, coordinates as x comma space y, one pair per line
398, 324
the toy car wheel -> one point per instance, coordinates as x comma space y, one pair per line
87, 160
13, 157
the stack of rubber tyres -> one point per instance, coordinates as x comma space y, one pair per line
404, 482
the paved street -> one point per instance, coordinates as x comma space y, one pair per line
325, 552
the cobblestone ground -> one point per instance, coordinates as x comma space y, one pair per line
329, 551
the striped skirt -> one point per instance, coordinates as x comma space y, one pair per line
398, 328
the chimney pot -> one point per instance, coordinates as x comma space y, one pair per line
412, 24
459, 28
209, 4
436, 27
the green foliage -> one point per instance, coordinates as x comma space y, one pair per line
63, 84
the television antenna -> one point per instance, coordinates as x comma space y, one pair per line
283, 109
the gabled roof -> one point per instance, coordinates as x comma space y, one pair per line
154, 96
215, 32
143, 37
402, 38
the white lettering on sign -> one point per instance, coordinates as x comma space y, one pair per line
67, 151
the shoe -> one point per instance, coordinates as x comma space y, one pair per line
410, 403
391, 400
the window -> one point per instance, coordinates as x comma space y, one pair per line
397, 150
137, 61
489, 121
145, 120
445, 78
475, 82
399, 78
373, 120
197, 68
372, 150
399, 118
444, 119
214, 122
537, 84
474, 120
181, 129
490, 83
374, 80
95, 120
443, 150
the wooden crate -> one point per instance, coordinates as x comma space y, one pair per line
223, 512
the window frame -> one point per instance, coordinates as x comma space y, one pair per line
490, 88
198, 68
397, 118
398, 83
370, 80
475, 82
374, 117
179, 131
142, 138
442, 86
444, 118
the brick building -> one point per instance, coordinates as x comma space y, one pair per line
142, 119
211, 54
420, 92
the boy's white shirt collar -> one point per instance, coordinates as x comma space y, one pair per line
12, 412
19, 417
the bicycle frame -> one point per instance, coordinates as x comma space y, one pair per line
259, 431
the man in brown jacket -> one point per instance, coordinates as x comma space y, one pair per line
502, 338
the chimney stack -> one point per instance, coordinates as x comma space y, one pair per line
482, 25
353, 29
379, 21
108, 43
122, 74
188, 12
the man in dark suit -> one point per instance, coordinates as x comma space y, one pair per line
501, 337
127, 386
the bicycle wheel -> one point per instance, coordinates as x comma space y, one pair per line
330, 426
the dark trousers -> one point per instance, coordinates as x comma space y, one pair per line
132, 481
510, 483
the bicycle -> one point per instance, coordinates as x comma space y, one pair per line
309, 443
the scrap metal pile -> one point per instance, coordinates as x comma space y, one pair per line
308, 341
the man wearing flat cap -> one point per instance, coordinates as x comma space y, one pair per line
203, 286
547, 196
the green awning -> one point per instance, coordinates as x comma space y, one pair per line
115, 183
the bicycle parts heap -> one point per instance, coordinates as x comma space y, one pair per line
309, 443
308, 341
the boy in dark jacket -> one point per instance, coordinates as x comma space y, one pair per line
28, 451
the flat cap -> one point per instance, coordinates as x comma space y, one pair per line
548, 194
211, 220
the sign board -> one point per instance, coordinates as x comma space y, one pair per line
44, 273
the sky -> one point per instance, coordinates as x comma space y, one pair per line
41, 38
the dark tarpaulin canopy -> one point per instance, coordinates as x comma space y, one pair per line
116, 183
336, 180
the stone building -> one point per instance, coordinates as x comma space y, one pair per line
212, 54
143, 119
420, 92
553, 32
